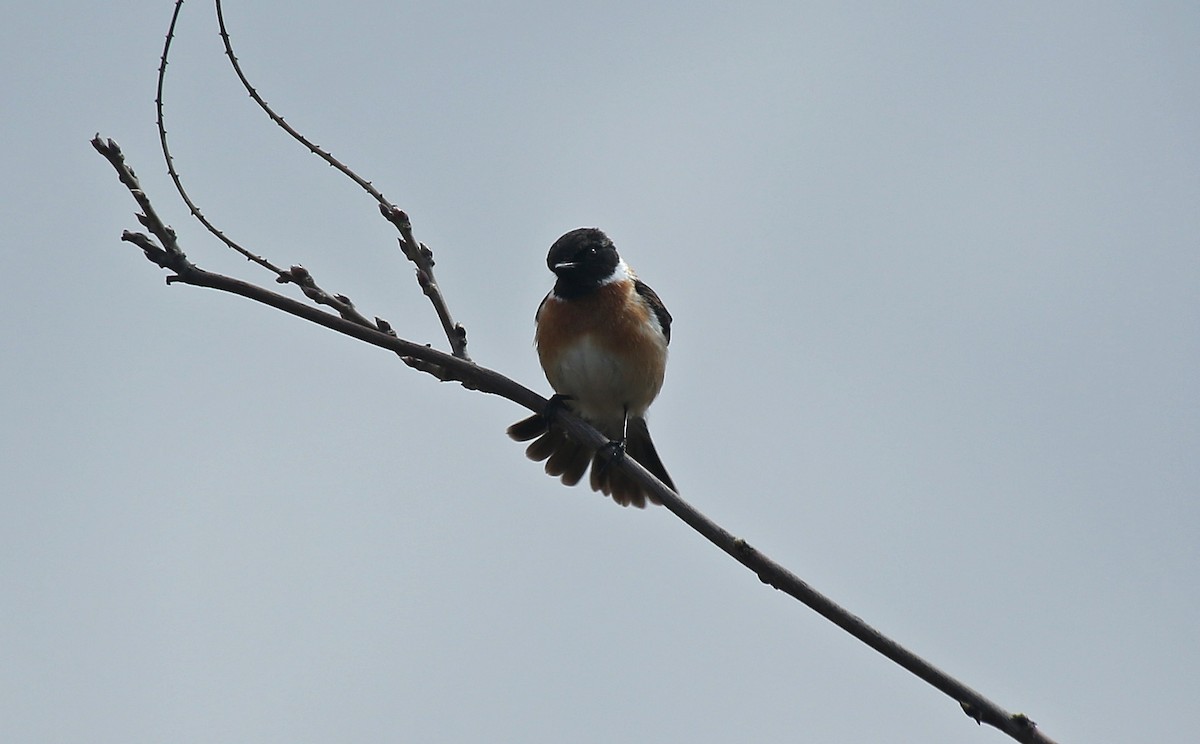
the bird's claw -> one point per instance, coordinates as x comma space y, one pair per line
555, 405
610, 452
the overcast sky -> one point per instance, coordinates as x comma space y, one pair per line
935, 273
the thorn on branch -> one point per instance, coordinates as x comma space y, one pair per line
153, 251
1024, 721
442, 373
744, 549
436, 370
1017, 725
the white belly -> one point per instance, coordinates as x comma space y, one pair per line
601, 385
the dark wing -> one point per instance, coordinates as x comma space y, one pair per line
541, 304
655, 304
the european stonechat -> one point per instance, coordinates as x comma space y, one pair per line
602, 338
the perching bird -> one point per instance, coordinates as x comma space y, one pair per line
602, 339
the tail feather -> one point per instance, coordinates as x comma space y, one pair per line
569, 460
545, 445
641, 448
528, 428
624, 489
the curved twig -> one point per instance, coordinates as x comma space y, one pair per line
450, 367
297, 275
314, 148
170, 160
418, 253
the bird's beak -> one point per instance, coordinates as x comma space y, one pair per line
564, 265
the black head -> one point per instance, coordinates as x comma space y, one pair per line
582, 260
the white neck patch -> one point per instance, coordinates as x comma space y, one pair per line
620, 273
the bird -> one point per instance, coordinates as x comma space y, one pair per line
601, 336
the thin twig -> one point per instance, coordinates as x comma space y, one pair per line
296, 274
450, 367
422, 257
167, 252
170, 160
314, 148
418, 253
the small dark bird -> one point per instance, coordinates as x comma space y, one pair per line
602, 338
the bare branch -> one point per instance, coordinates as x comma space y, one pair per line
414, 251
170, 160
449, 367
422, 257
295, 274
166, 253
314, 148
300, 276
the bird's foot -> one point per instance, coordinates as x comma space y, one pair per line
609, 453
555, 405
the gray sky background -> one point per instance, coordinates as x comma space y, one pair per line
935, 275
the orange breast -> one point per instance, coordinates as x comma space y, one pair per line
603, 350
